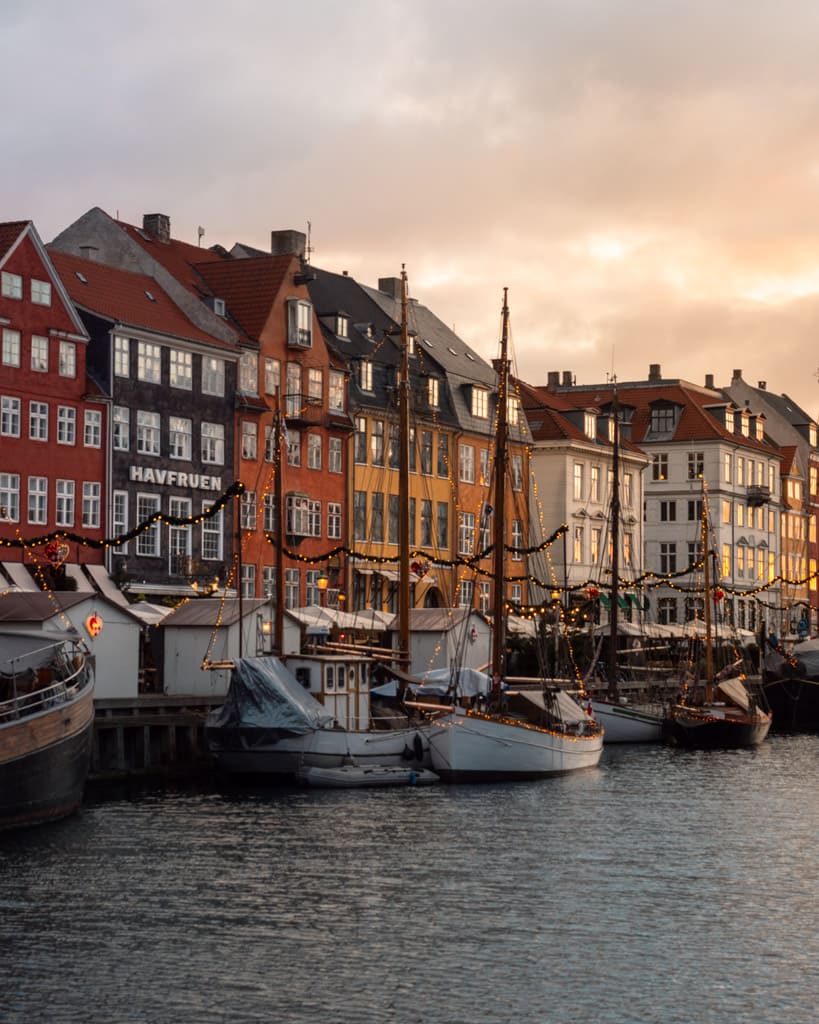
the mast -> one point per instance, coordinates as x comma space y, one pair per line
614, 610
278, 501
498, 532
706, 562
403, 481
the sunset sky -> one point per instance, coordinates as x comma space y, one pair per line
643, 176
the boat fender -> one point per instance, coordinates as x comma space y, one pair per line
418, 747
413, 778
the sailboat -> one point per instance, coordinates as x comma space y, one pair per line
721, 713
520, 734
314, 710
622, 722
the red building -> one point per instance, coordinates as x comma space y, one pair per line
53, 419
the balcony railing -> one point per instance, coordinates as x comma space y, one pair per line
758, 495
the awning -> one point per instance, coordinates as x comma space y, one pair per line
107, 587
20, 577
75, 573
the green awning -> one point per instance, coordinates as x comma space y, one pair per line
605, 600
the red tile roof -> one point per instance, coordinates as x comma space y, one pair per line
249, 287
121, 295
178, 258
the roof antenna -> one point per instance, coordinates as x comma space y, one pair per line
308, 252
200, 231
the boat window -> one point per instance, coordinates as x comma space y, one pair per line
329, 678
303, 676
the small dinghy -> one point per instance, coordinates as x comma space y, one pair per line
352, 776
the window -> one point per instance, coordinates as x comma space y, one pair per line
513, 410
442, 525
696, 464
122, 357
628, 489
314, 451
662, 420
377, 442
179, 537
667, 610
181, 370
65, 503
393, 447
213, 376
336, 391
39, 353
38, 500
38, 421
92, 429
292, 398
433, 386
294, 448
426, 523
361, 440
596, 537
695, 511
392, 519
484, 597
149, 362
148, 424
333, 520
119, 517
66, 424
148, 542
291, 588
180, 438
628, 548
299, 323
577, 547
668, 511
11, 347
517, 472
269, 514
517, 540
248, 510
342, 326
360, 515
334, 463
12, 286
466, 463
249, 439
466, 593
443, 455
91, 501
121, 423
297, 511
426, 452
479, 405
248, 373
213, 443
590, 424
272, 376
659, 467
314, 519
668, 558
248, 582
212, 535
484, 466
9, 416
466, 533
577, 479
269, 581
377, 517
40, 292
10, 496
594, 483
364, 371
315, 385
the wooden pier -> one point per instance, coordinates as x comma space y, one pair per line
153, 734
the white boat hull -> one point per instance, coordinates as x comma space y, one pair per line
627, 723
467, 747
321, 748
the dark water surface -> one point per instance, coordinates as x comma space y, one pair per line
665, 886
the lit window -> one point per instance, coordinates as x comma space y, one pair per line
68, 359
122, 356
433, 390
149, 362
480, 403
365, 374
181, 370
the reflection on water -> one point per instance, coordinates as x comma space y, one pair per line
665, 886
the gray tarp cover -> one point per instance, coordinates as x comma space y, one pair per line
265, 694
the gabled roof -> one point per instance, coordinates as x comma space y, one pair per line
178, 258
124, 297
10, 232
210, 612
789, 465
25, 606
248, 286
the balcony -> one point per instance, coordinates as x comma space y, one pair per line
758, 495
303, 410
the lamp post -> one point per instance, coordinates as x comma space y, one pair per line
321, 583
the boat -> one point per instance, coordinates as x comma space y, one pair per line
622, 721
790, 682
46, 727
323, 694
516, 733
356, 776
719, 711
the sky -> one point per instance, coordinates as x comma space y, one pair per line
643, 176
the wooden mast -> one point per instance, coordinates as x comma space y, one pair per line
706, 562
403, 483
614, 531
498, 532
280, 523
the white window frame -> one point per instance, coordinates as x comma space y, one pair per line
38, 421
91, 504
149, 362
38, 500
12, 285
66, 424
180, 438
64, 498
40, 292
39, 353
92, 428
213, 376
11, 347
67, 359
181, 370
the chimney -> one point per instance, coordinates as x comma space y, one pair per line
567, 379
654, 373
709, 381
288, 243
158, 226
390, 285
553, 379
88, 251
763, 385
736, 378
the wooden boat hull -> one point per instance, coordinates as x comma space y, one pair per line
44, 762
628, 723
470, 747
794, 703
699, 729
355, 776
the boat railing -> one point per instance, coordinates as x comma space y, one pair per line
73, 670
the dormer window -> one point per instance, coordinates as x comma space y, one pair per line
590, 425
433, 396
512, 411
610, 433
299, 323
365, 375
745, 424
479, 406
812, 435
729, 420
342, 326
219, 307
759, 429
663, 419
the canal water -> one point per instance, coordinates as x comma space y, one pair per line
664, 886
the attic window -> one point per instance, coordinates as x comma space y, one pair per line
469, 356
729, 420
80, 276
452, 350
342, 326
219, 307
590, 425
149, 295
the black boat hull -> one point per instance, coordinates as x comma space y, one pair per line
794, 703
701, 732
